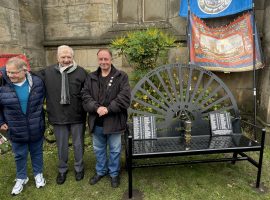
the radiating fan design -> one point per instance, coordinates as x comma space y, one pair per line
178, 92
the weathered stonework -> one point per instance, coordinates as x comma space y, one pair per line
37, 27
264, 74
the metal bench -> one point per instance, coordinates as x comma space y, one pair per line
173, 94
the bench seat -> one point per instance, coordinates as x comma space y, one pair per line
204, 144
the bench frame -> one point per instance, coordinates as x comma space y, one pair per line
184, 104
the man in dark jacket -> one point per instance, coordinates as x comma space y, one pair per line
106, 98
63, 82
22, 116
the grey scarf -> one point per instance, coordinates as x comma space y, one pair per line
65, 97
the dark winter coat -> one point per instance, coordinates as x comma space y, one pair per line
22, 127
58, 113
118, 99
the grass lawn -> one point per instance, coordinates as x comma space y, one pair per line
201, 181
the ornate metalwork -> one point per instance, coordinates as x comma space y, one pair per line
176, 92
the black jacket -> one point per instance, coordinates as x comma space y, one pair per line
22, 127
118, 98
64, 114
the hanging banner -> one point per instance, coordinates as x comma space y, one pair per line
214, 8
228, 48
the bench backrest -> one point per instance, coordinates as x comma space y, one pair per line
175, 93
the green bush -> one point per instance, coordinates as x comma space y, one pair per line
143, 48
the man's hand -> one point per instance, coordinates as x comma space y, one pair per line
4, 127
102, 111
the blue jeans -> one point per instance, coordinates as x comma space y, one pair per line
105, 165
20, 151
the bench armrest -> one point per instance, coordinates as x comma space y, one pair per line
253, 131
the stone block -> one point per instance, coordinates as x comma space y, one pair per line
9, 26
101, 1
174, 8
10, 49
105, 13
97, 29
77, 2
86, 57
259, 15
10, 4
5, 35
67, 31
50, 56
55, 15
83, 13
35, 57
259, 4
50, 3
34, 35
178, 55
66, 2
179, 24
31, 12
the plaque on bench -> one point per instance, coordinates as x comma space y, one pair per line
220, 123
144, 127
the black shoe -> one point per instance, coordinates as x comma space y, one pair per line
61, 178
96, 178
79, 175
115, 181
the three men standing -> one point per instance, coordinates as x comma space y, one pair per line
106, 98
64, 82
104, 94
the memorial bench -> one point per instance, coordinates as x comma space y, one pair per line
168, 97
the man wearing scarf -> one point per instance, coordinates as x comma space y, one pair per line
63, 82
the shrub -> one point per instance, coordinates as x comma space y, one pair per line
143, 48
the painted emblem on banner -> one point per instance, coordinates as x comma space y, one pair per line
227, 48
213, 6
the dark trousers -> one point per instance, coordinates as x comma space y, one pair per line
62, 133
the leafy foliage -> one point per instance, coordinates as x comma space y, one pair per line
143, 48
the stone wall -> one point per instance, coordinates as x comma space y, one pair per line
264, 74
10, 27
21, 29
37, 27
32, 34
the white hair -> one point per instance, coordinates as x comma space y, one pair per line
18, 62
63, 48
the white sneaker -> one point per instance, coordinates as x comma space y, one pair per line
18, 187
40, 181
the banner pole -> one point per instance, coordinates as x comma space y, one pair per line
188, 31
254, 63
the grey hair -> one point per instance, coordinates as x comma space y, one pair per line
18, 62
64, 47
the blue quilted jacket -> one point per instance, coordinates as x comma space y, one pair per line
22, 127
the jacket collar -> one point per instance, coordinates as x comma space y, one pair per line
96, 73
5, 77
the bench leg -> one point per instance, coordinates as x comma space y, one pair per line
129, 160
260, 159
234, 158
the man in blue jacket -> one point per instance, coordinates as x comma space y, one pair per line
22, 116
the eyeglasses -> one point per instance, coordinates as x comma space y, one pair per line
14, 73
